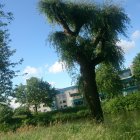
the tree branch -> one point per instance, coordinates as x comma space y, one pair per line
100, 38
98, 60
62, 21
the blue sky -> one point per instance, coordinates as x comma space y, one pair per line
29, 31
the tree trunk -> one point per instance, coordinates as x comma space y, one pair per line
36, 111
91, 92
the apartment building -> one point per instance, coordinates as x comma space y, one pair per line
68, 97
128, 81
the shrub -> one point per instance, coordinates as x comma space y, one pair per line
64, 115
127, 103
22, 111
6, 114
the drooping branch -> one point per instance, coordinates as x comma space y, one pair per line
64, 23
62, 19
100, 42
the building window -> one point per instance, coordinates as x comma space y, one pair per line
64, 101
74, 94
65, 106
60, 102
76, 103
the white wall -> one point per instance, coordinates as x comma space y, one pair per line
41, 108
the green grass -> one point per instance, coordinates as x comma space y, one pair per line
116, 127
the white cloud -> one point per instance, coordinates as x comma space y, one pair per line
136, 35
52, 84
57, 67
126, 45
30, 70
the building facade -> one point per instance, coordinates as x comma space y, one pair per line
128, 81
40, 108
68, 97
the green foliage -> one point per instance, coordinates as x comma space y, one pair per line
89, 30
20, 94
7, 122
7, 73
6, 114
5, 127
117, 127
34, 93
23, 110
120, 104
136, 68
65, 115
39, 91
108, 81
46, 118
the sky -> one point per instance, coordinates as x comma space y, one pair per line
29, 32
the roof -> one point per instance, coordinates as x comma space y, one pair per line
124, 71
61, 91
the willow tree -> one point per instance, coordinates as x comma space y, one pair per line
87, 37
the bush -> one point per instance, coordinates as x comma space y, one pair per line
21, 111
6, 114
127, 103
132, 102
64, 115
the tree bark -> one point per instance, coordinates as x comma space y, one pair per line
36, 111
91, 92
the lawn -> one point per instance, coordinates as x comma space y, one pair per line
125, 126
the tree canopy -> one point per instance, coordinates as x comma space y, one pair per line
34, 93
20, 94
89, 30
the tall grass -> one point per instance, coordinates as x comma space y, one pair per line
121, 127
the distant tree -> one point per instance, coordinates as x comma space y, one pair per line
136, 68
108, 81
87, 37
34, 93
20, 94
6, 66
